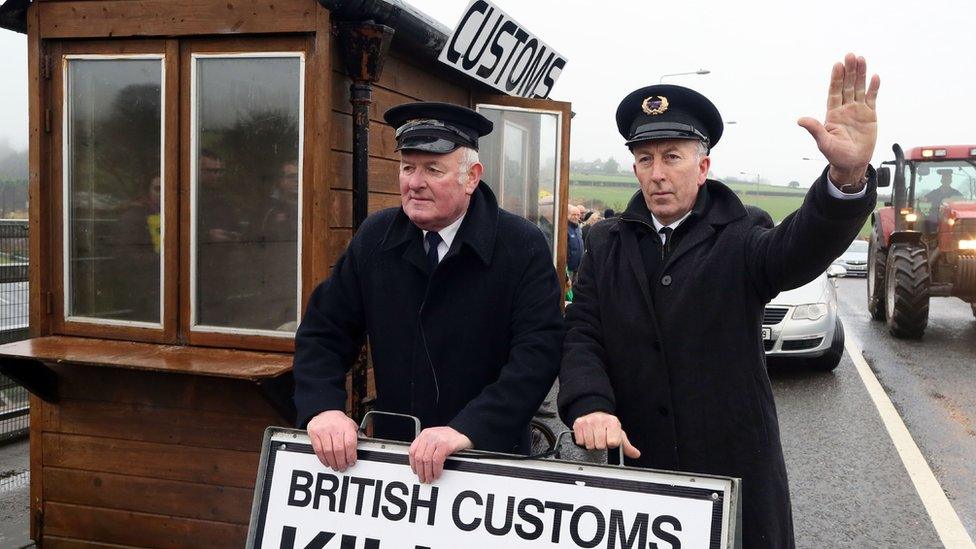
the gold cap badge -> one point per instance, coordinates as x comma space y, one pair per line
655, 105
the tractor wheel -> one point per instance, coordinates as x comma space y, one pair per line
877, 257
907, 291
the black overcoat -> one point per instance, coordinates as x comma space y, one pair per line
475, 346
674, 347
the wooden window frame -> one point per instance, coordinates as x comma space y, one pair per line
166, 332
230, 337
177, 57
563, 110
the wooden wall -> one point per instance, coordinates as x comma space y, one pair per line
401, 81
147, 459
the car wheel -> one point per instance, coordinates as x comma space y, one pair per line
829, 360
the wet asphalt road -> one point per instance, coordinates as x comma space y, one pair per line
932, 383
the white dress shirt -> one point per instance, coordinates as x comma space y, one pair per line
447, 235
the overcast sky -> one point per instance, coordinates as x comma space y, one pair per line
769, 61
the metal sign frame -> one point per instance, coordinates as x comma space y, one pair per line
724, 492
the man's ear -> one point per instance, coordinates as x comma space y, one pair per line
474, 177
703, 165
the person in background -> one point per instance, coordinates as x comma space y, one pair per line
574, 241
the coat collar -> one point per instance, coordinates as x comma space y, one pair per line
715, 205
477, 231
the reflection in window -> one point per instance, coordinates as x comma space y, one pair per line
113, 226
520, 158
246, 191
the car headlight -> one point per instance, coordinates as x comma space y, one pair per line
811, 311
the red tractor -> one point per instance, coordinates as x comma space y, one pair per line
923, 242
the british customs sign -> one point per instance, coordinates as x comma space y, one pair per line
495, 49
481, 500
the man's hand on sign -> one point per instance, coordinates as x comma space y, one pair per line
431, 448
334, 439
599, 431
850, 128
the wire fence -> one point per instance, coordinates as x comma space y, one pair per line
14, 402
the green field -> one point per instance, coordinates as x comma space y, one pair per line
600, 197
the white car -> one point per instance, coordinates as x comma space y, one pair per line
803, 323
855, 259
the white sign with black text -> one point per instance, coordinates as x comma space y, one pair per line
479, 502
490, 46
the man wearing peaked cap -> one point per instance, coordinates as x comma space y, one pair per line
663, 353
458, 297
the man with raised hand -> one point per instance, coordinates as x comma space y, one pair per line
663, 354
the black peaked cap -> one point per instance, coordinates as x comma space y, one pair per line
666, 111
436, 127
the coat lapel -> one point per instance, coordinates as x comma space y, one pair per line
628, 243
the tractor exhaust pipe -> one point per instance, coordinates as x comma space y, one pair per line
898, 192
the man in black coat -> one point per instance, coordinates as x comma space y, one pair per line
458, 297
663, 354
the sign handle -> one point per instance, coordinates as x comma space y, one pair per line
567, 433
364, 422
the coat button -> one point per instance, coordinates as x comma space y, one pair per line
663, 411
666, 280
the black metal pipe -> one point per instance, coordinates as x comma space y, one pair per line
363, 46
362, 96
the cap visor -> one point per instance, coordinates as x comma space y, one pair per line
427, 144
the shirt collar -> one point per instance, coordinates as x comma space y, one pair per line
658, 225
448, 233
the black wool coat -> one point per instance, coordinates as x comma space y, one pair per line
475, 345
674, 349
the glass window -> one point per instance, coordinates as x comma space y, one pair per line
113, 223
246, 169
520, 158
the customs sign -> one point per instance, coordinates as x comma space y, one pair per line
490, 46
481, 500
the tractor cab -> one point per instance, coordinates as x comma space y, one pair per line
923, 241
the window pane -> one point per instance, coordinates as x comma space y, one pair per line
520, 164
247, 192
113, 189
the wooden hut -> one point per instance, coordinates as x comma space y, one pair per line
196, 167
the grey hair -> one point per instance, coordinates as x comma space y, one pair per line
701, 149
467, 158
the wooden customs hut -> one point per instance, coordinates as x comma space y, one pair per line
196, 167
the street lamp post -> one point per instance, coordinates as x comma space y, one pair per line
757, 180
699, 71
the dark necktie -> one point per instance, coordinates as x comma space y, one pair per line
433, 241
666, 247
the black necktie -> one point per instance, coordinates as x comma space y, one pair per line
433, 241
666, 247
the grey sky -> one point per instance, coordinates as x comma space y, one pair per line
770, 63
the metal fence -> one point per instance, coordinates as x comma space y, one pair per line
14, 419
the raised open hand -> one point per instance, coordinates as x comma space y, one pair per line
850, 129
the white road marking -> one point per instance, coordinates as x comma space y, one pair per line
944, 518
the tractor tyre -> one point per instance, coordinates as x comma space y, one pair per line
907, 291
877, 259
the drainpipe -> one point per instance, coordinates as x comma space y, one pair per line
363, 46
